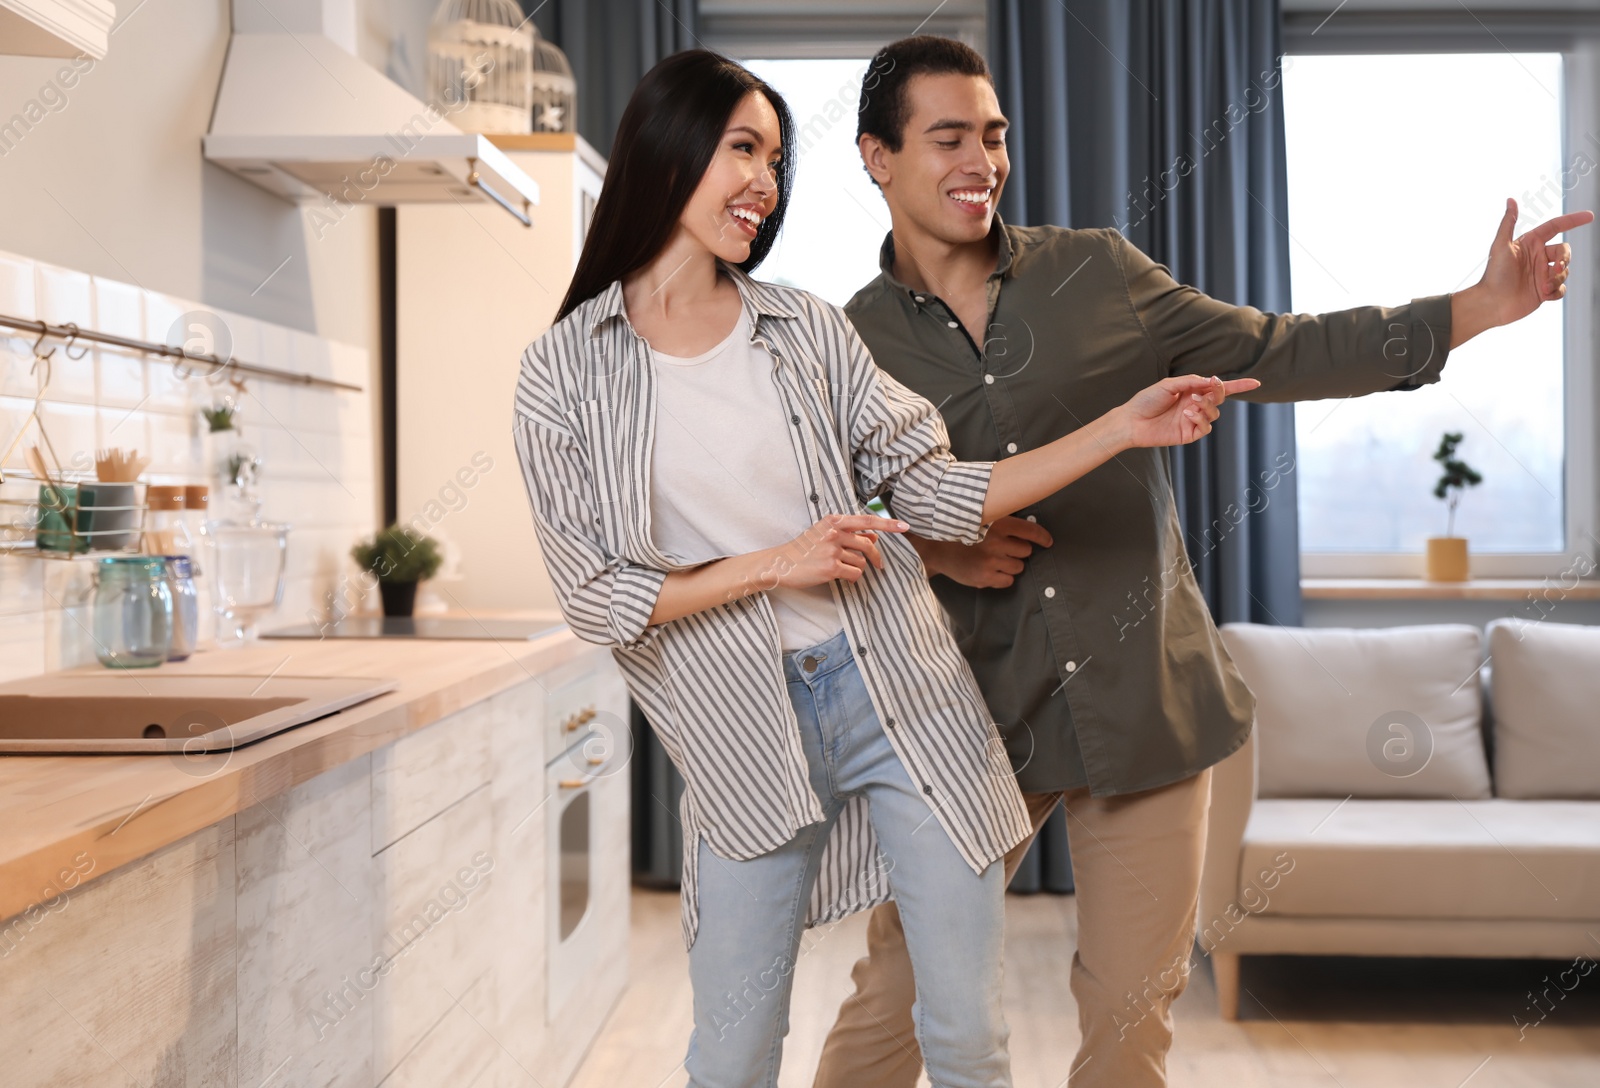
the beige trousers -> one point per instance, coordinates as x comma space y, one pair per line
1136, 866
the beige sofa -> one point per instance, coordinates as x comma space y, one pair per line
1362, 817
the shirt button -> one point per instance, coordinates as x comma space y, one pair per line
1011, 447
889, 723
988, 379
795, 420
1072, 666
1049, 591
919, 298
813, 496
928, 790
953, 324
1031, 517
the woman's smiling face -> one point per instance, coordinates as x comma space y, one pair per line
739, 188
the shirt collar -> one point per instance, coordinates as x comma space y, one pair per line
759, 299
886, 260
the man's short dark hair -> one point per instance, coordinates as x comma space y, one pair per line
884, 110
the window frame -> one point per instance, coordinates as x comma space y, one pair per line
1580, 390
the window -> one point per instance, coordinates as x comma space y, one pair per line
836, 218
1398, 169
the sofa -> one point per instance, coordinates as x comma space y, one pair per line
1412, 791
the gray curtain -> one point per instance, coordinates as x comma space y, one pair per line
1164, 119
611, 44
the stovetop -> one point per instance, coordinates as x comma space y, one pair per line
424, 627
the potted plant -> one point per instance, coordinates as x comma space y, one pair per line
219, 417
399, 558
1447, 555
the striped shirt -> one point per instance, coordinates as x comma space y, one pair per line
712, 682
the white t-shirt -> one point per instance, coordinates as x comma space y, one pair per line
725, 479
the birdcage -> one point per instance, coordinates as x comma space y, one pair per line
480, 65
555, 92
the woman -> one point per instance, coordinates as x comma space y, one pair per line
699, 449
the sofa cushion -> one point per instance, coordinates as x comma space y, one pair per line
1370, 712
1423, 859
1546, 699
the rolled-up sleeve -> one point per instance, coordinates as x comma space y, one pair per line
898, 443
604, 598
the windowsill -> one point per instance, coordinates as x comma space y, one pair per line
1477, 589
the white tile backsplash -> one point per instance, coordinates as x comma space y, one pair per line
66, 296
319, 473
119, 310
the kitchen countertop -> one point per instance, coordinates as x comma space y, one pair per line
118, 809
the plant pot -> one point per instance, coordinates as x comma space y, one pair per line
399, 598
1447, 559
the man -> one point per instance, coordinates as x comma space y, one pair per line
1021, 334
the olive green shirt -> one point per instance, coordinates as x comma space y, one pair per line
1101, 663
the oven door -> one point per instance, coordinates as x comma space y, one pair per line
573, 939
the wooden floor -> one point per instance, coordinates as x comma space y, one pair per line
1315, 1023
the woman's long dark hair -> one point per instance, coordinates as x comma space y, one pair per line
667, 138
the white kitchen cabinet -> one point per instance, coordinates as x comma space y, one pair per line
303, 936
473, 288
385, 922
128, 979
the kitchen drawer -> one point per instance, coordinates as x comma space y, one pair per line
420, 775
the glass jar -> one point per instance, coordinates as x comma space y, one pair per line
132, 612
185, 607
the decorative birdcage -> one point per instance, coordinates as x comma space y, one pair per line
480, 65
555, 92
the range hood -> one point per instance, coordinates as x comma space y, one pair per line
300, 115
55, 28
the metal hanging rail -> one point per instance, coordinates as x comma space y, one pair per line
71, 332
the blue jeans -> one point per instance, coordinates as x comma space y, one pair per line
752, 912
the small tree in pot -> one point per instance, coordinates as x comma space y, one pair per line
399, 558
1447, 555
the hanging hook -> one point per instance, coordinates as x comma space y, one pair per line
72, 335
44, 333
218, 371
41, 370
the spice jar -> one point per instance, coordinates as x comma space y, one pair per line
185, 607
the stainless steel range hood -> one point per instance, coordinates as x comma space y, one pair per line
300, 115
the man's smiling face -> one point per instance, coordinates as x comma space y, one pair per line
952, 164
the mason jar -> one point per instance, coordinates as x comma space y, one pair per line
132, 611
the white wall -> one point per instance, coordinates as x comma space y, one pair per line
107, 190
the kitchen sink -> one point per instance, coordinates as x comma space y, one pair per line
125, 713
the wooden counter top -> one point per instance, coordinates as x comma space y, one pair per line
116, 809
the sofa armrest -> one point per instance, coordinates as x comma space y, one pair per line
1233, 794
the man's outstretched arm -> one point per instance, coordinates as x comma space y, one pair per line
1349, 352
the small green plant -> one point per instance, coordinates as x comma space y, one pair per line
219, 417
1458, 476
243, 468
399, 554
